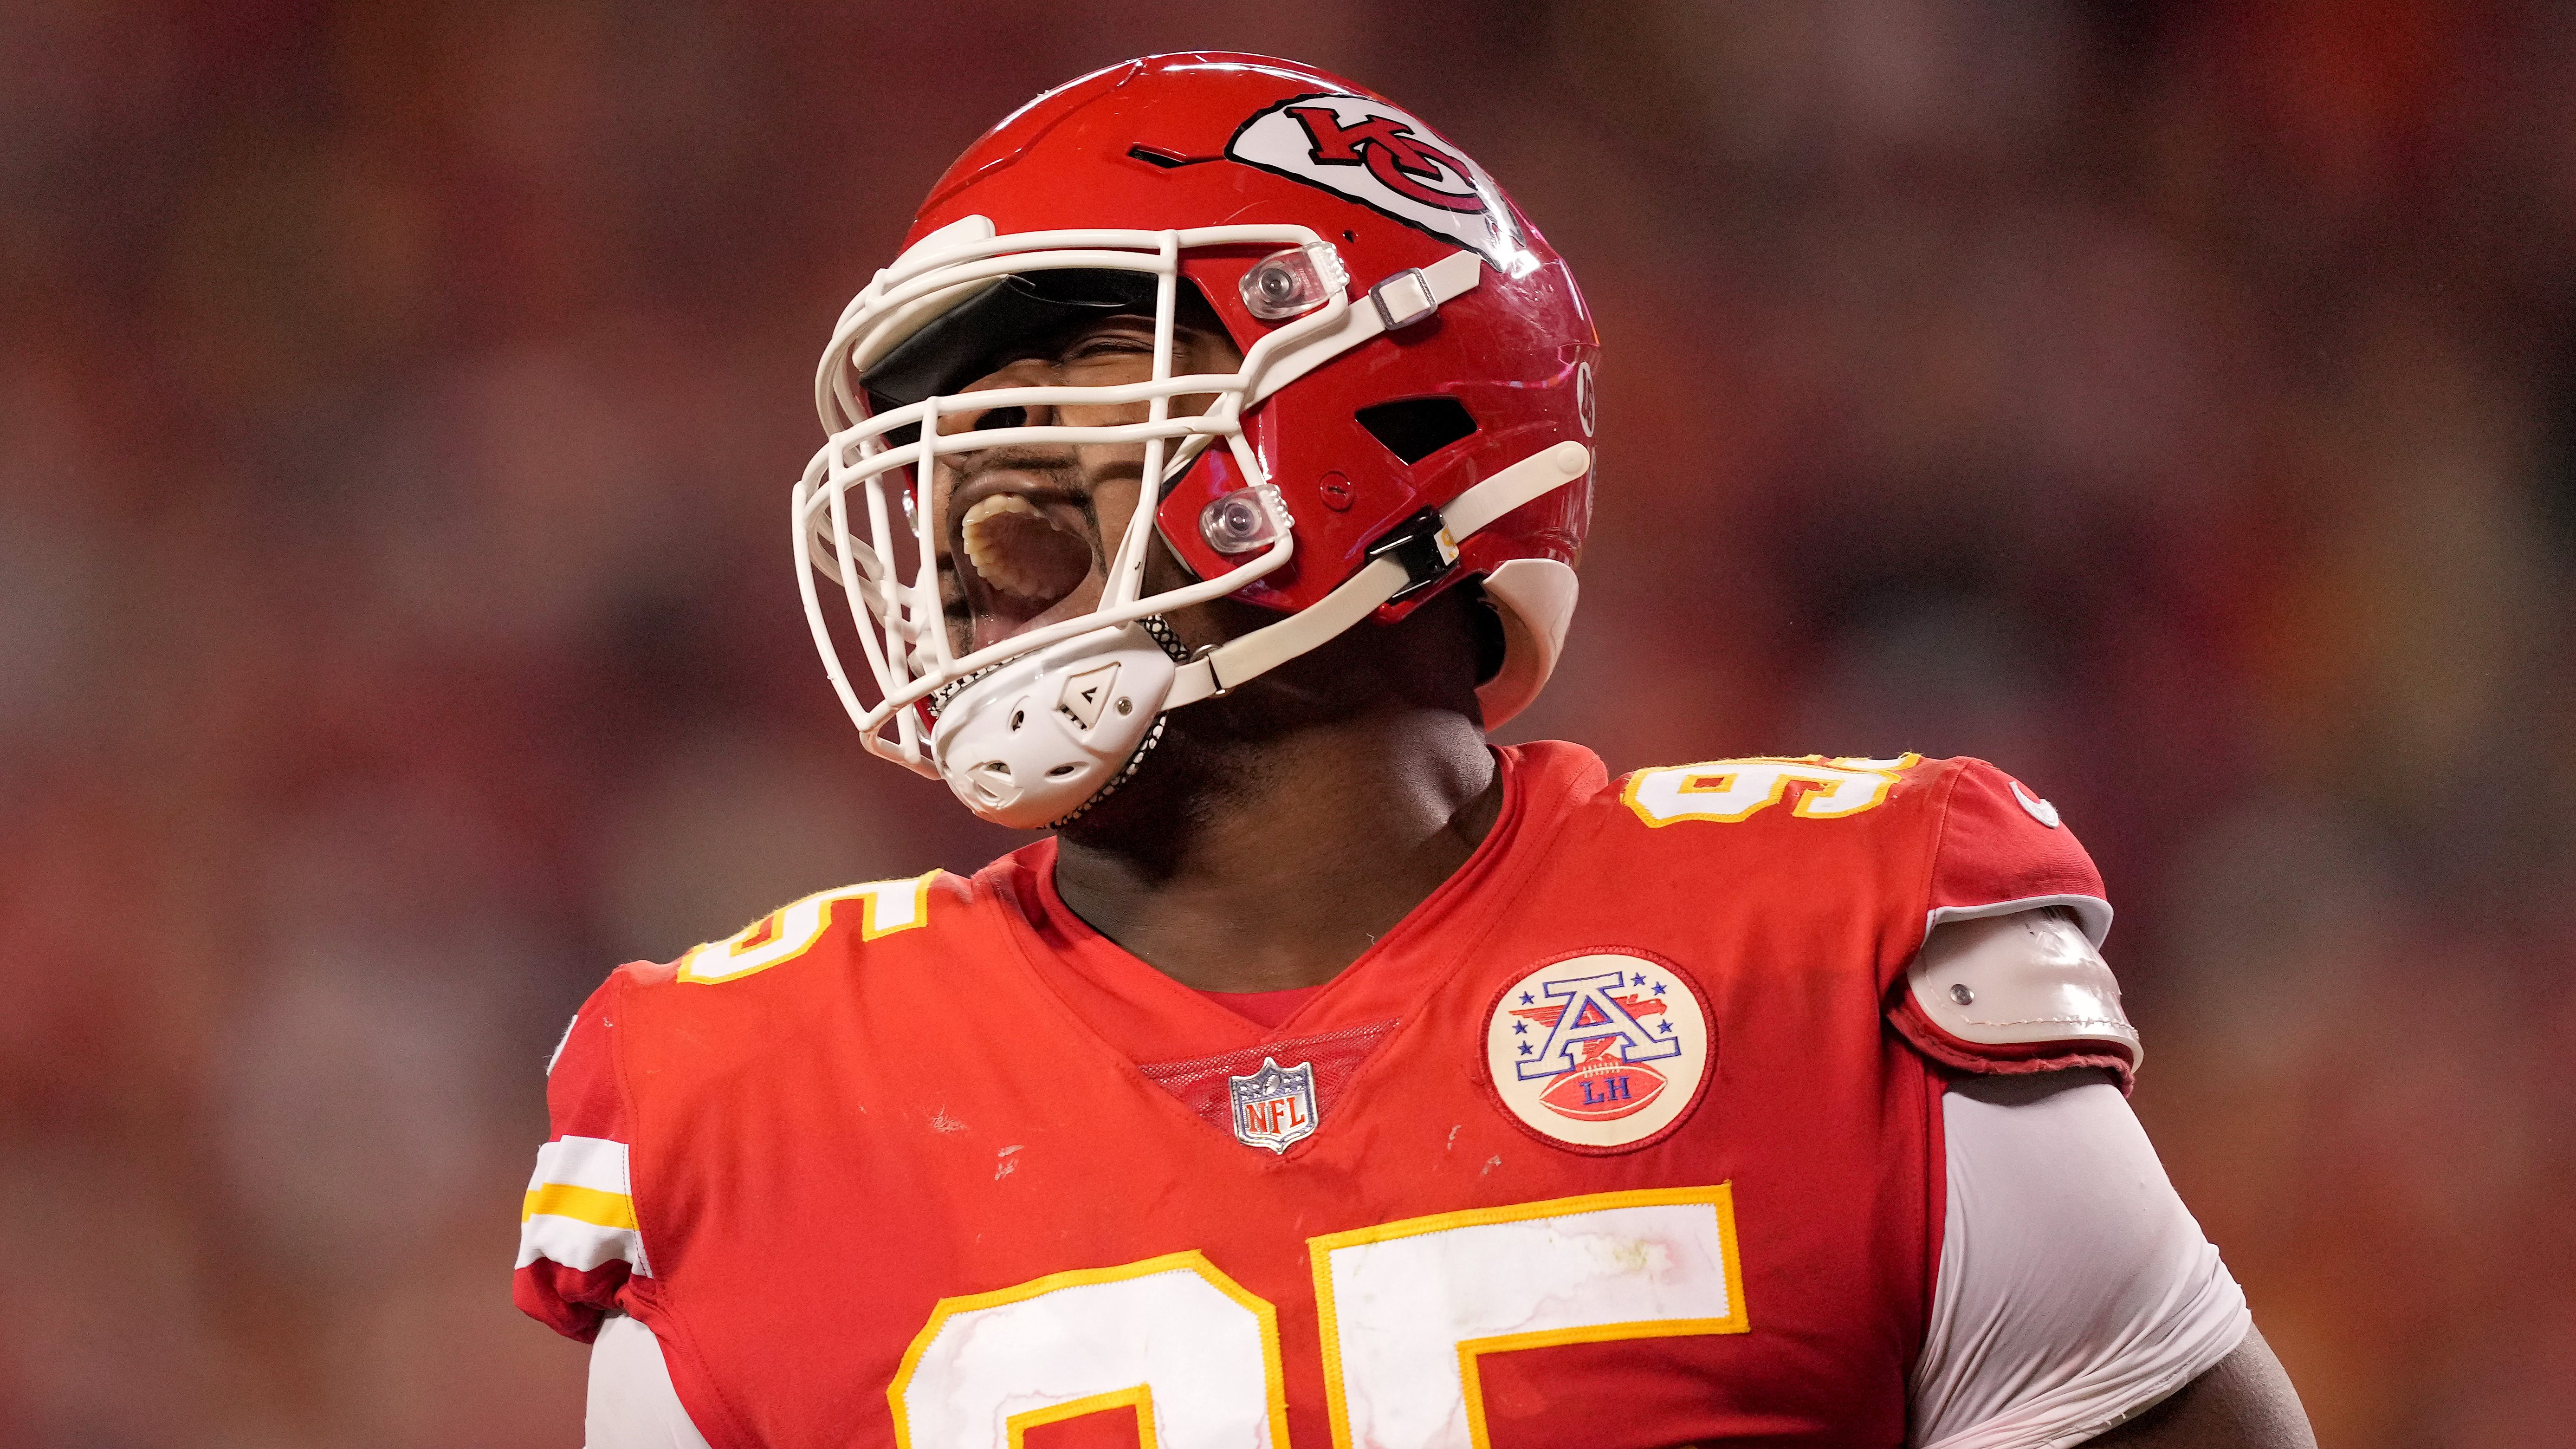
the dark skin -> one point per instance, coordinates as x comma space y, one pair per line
2245, 1399
1356, 775
1209, 864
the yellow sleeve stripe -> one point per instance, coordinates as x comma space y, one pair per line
583, 1204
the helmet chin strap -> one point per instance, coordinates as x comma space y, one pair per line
1040, 739
1406, 562
1047, 736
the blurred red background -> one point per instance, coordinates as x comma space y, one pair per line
398, 404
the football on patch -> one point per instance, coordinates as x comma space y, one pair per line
1602, 1089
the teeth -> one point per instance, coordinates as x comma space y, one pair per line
1016, 550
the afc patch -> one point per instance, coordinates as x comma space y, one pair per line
1275, 1106
1600, 1051
1367, 151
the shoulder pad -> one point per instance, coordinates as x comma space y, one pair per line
2023, 992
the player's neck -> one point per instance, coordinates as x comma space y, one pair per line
1285, 859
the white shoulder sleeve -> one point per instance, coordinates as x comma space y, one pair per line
2075, 1289
632, 1403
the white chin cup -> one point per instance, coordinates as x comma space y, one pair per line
1036, 739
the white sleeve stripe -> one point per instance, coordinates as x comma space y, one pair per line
597, 1163
578, 1245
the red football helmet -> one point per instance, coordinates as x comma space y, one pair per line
1414, 407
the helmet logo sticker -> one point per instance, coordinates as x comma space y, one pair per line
2040, 810
1402, 161
1583, 403
1370, 152
1603, 1051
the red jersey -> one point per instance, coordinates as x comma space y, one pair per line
1623, 1137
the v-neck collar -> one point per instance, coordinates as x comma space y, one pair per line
1145, 1016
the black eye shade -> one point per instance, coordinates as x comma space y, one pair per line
963, 343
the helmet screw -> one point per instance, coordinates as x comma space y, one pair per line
1337, 492
1126, 706
1961, 994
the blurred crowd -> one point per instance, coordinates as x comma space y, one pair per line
398, 404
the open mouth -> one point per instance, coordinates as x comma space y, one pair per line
1021, 559
1021, 553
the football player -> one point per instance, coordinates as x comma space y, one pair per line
1203, 480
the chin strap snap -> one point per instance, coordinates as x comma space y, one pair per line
1171, 645
1413, 557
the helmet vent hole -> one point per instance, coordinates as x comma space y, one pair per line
1060, 771
1414, 428
1019, 717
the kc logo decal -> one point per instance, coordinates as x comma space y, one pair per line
1370, 152
1599, 1052
1403, 162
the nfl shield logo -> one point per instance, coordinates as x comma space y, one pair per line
1274, 1106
